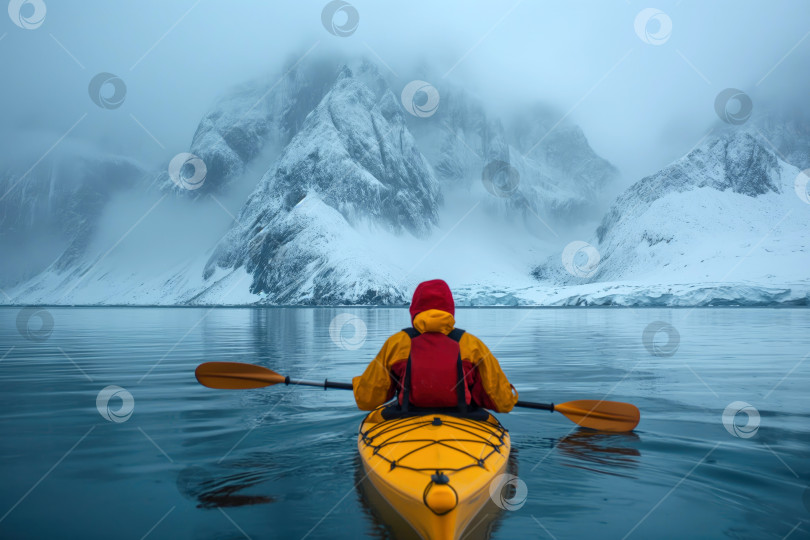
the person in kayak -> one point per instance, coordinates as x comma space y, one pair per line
433, 364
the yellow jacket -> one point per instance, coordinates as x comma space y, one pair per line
491, 388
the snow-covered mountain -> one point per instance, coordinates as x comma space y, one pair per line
353, 163
351, 197
722, 225
323, 187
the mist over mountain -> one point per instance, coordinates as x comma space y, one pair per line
721, 226
326, 170
49, 212
345, 176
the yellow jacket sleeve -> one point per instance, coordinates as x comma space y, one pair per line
491, 378
374, 386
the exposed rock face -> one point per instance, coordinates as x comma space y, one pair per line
264, 113
789, 133
353, 163
558, 174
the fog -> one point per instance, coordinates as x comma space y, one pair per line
640, 105
644, 95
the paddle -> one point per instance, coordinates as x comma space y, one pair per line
590, 413
238, 376
594, 414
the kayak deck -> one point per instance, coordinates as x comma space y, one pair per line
436, 469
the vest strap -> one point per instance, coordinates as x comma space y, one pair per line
454, 334
461, 384
412, 332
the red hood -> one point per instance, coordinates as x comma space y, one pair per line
433, 294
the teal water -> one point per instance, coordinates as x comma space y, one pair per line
191, 462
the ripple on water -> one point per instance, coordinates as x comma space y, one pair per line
276, 460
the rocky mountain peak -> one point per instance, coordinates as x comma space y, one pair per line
355, 161
735, 161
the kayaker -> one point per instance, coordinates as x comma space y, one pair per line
433, 364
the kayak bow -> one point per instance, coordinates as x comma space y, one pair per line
436, 470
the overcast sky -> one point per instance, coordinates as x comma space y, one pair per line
640, 104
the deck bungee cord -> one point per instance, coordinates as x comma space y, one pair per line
484, 433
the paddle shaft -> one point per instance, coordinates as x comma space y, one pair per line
533, 405
595, 418
348, 386
325, 384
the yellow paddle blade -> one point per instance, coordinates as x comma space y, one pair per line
235, 376
602, 415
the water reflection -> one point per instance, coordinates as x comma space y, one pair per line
291, 452
597, 451
221, 490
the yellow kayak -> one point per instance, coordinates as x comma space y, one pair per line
435, 470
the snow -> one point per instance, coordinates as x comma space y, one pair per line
323, 191
701, 231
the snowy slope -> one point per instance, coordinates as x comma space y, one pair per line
722, 224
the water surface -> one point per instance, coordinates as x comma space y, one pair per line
192, 462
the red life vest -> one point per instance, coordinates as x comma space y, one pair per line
434, 373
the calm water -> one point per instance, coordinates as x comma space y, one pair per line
192, 462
